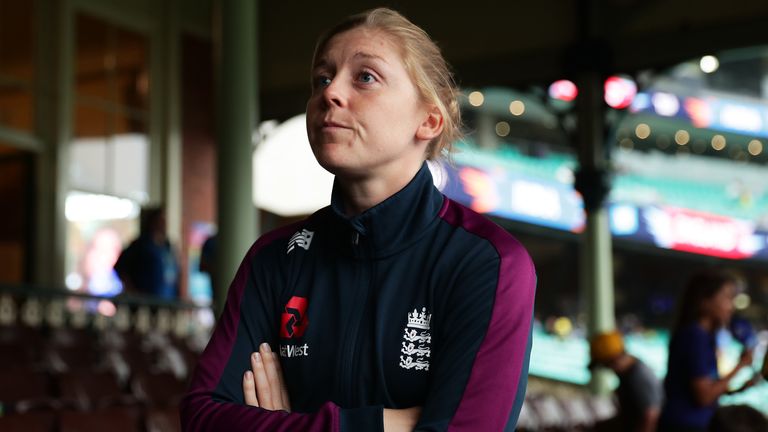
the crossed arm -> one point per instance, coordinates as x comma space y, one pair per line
264, 386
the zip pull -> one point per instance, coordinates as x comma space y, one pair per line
356, 238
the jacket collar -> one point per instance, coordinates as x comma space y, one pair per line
397, 222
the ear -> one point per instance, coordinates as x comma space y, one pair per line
432, 125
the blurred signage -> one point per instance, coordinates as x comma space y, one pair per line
557, 205
707, 112
516, 197
703, 233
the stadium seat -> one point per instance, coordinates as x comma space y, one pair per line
24, 390
163, 420
114, 419
158, 389
87, 390
28, 422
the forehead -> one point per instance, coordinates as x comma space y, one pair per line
360, 42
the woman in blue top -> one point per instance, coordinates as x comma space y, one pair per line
693, 384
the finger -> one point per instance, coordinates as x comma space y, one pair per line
270, 368
263, 392
249, 389
283, 385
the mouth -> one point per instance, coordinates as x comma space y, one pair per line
330, 125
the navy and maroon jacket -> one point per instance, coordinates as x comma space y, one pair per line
416, 301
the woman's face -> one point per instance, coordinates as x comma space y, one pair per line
364, 114
719, 307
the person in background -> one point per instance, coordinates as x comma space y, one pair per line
738, 418
149, 265
394, 308
208, 265
639, 393
693, 384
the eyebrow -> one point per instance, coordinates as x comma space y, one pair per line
321, 62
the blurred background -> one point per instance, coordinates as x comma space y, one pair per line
622, 141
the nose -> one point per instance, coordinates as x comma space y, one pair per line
334, 94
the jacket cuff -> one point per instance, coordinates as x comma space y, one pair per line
369, 418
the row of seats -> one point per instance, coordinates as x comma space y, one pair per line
24, 390
62, 379
549, 413
112, 419
83, 379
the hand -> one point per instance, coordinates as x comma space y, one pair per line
750, 383
746, 358
401, 420
263, 385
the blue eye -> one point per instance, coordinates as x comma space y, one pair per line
366, 78
322, 81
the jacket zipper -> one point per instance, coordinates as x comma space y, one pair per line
353, 329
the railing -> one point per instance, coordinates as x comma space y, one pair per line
36, 306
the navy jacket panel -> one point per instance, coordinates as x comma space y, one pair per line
417, 301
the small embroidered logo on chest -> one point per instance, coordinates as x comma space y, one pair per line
301, 239
417, 341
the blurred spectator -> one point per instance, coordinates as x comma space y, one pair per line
738, 418
693, 384
208, 265
148, 265
639, 393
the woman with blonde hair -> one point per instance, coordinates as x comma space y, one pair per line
394, 308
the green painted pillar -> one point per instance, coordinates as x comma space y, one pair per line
236, 117
596, 263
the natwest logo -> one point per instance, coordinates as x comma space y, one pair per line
294, 320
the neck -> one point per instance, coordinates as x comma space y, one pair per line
362, 193
623, 363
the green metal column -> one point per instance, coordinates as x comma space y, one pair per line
596, 263
591, 60
236, 117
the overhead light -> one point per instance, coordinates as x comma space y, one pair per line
563, 90
643, 131
619, 92
709, 63
517, 107
755, 147
682, 137
476, 98
718, 142
665, 104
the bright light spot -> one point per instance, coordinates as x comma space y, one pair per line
709, 64
562, 326
619, 92
641, 102
755, 147
741, 301
643, 131
563, 90
502, 129
517, 107
665, 104
718, 142
107, 308
73, 281
476, 98
85, 207
682, 137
